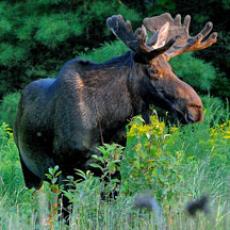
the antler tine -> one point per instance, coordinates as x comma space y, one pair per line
161, 50
141, 36
123, 30
187, 21
153, 24
201, 41
137, 41
206, 30
177, 20
184, 41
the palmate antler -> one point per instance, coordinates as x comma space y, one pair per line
184, 41
136, 41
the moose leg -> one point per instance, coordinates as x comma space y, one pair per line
66, 208
31, 180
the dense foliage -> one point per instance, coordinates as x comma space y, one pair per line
37, 37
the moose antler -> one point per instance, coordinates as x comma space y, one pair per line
136, 41
184, 42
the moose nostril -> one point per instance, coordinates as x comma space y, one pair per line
195, 115
190, 118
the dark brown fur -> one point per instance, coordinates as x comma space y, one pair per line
61, 121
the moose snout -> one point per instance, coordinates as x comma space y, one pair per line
189, 107
194, 114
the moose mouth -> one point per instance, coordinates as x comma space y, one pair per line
175, 115
184, 118
188, 117
178, 117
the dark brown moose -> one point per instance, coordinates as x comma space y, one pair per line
61, 121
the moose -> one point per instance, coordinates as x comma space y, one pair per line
61, 121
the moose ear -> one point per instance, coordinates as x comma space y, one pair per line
162, 36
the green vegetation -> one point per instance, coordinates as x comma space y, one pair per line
194, 71
8, 108
175, 164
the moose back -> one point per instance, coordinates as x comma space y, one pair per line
61, 121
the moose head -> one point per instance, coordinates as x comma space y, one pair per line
169, 38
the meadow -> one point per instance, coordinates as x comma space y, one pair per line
174, 164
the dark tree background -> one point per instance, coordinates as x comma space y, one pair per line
38, 36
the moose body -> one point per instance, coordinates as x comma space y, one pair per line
61, 121
86, 105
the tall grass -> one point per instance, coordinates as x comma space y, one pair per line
190, 161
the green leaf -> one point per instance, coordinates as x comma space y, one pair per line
94, 165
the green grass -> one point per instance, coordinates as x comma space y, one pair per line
182, 163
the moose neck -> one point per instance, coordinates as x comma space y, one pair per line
131, 75
136, 83
138, 86
122, 97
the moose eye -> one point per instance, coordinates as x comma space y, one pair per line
152, 74
155, 77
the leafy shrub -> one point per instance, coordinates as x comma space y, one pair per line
108, 162
106, 52
157, 156
194, 71
147, 163
10, 171
215, 110
8, 108
63, 26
